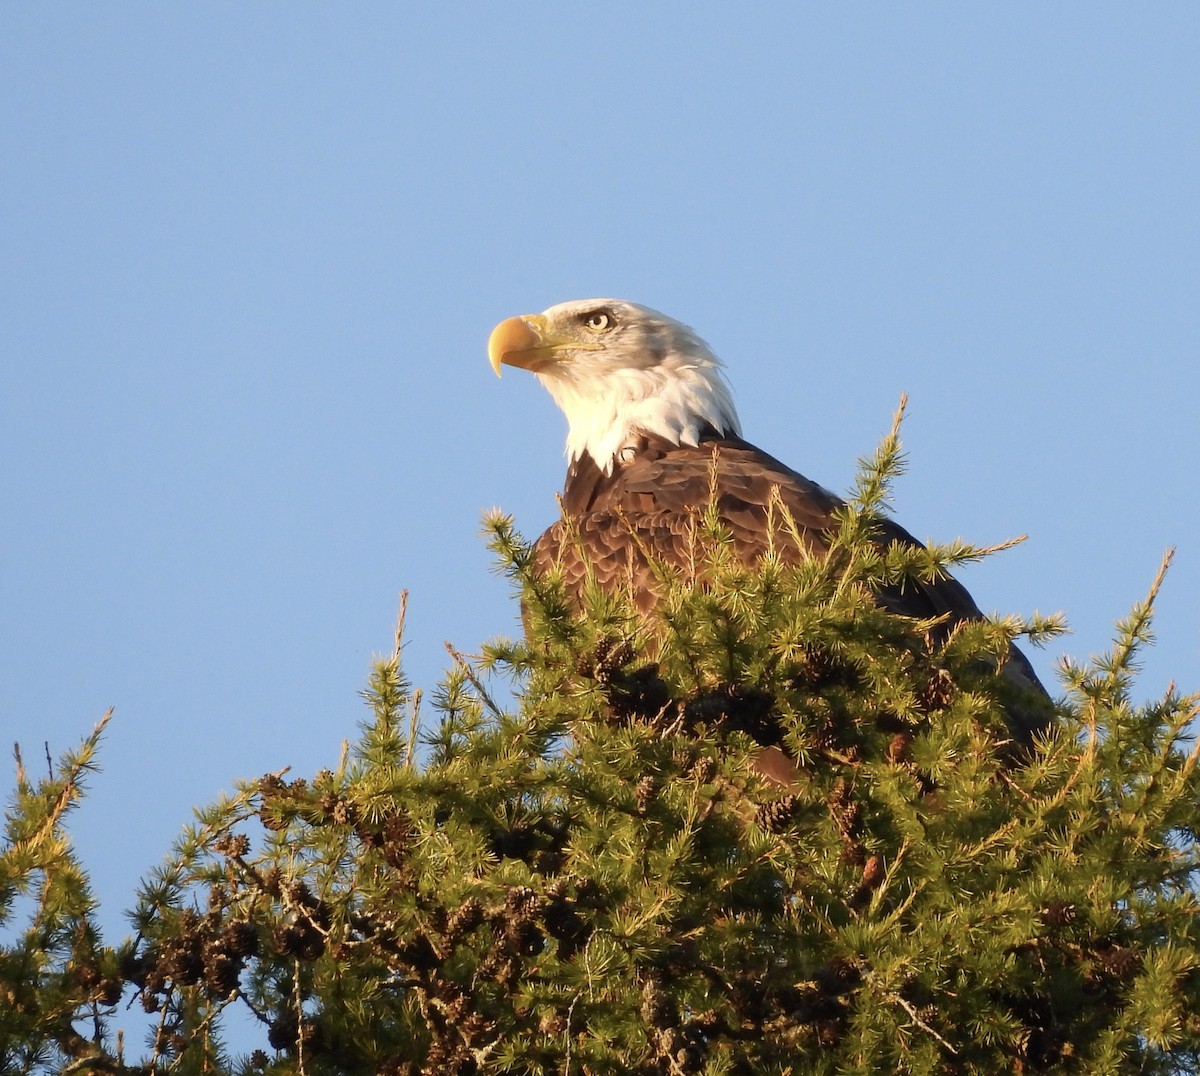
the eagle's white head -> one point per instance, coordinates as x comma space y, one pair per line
617, 369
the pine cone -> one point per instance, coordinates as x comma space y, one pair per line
300, 939
609, 657
108, 992
221, 971
1121, 963
240, 938
232, 845
283, 1032
897, 749
466, 918
839, 976
872, 873
938, 691
776, 815
1058, 914
521, 902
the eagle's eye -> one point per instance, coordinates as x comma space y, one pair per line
598, 321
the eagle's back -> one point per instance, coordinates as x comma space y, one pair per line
651, 502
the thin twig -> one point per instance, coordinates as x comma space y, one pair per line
400, 617
22, 776
414, 727
476, 683
916, 1019
299, 1019
567, 1035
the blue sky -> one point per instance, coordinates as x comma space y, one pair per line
250, 257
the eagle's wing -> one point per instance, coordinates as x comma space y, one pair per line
649, 506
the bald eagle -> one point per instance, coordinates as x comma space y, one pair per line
651, 426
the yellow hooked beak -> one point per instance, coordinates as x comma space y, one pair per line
527, 342
520, 342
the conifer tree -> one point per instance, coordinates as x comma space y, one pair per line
578, 868
57, 979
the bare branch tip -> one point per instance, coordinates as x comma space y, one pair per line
1161, 575
400, 617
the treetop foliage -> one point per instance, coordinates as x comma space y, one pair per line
583, 864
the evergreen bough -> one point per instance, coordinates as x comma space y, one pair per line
580, 870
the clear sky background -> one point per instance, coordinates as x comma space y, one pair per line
250, 257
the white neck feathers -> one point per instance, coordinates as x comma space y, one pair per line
672, 401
